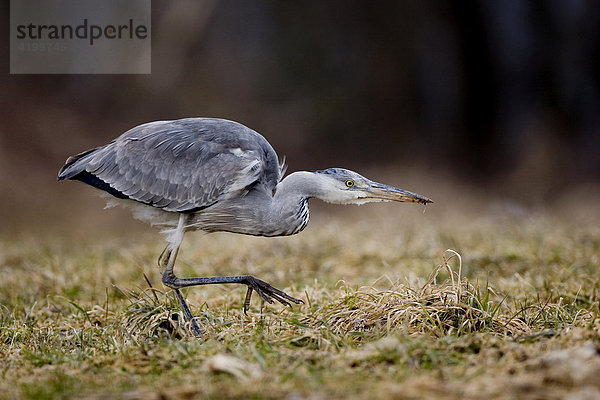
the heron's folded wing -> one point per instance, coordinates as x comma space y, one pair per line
176, 169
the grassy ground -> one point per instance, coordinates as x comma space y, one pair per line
381, 319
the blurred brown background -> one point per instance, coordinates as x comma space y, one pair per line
503, 95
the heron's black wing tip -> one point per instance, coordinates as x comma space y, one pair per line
96, 182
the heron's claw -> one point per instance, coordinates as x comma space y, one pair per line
267, 292
247, 300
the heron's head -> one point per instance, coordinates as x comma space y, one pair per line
342, 186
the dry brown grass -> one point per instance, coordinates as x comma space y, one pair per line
387, 313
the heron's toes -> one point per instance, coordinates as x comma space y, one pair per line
268, 293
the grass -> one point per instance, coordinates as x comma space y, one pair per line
386, 315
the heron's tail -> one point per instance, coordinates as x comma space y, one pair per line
75, 165
76, 168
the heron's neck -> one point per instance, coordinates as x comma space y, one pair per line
286, 213
289, 212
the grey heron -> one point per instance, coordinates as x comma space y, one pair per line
215, 175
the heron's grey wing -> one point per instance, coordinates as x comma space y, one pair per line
182, 165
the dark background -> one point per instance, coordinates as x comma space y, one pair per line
503, 95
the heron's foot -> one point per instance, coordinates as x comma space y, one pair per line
267, 292
188, 313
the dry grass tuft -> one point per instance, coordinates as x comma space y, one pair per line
431, 309
455, 307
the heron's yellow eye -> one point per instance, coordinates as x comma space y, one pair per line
349, 183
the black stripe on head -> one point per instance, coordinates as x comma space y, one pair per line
330, 171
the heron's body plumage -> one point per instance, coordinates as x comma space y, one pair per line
221, 173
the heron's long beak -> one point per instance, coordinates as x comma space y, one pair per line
384, 192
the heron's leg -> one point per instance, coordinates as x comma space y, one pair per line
162, 262
265, 290
167, 261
